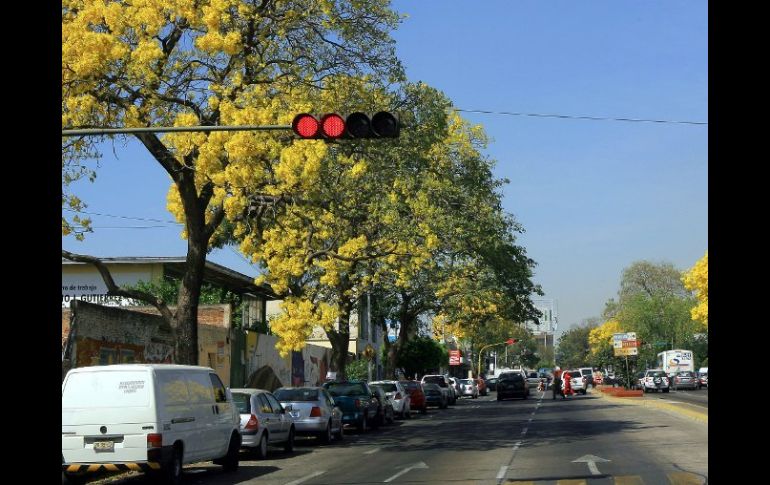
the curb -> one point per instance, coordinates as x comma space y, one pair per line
678, 409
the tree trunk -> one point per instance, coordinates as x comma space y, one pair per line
186, 318
340, 339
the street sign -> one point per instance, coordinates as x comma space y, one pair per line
454, 357
625, 343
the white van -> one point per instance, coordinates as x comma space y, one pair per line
148, 417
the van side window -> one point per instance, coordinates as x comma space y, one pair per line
277, 408
219, 388
199, 386
175, 390
264, 406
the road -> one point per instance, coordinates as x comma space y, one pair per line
585, 439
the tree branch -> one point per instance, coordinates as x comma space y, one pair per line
115, 290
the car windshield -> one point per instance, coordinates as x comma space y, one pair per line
296, 394
242, 402
410, 385
433, 379
465, 381
386, 386
532, 375
511, 377
656, 374
587, 372
337, 389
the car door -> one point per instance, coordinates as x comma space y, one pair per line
283, 419
222, 426
267, 416
334, 411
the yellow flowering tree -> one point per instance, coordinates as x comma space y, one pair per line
600, 337
212, 62
697, 280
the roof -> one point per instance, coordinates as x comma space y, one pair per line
213, 273
124, 367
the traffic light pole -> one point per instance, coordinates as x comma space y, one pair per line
170, 129
486, 347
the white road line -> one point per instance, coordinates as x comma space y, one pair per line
592, 467
516, 446
524, 431
305, 478
372, 451
502, 472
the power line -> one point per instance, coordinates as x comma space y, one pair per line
579, 117
123, 217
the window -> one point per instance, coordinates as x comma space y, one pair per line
219, 388
297, 394
264, 405
242, 402
277, 408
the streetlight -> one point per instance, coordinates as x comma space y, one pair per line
510, 341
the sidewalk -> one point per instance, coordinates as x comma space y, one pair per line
681, 408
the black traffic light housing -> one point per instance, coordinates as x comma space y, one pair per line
358, 125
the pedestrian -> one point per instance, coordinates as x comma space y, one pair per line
556, 385
567, 377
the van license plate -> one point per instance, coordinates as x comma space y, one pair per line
102, 446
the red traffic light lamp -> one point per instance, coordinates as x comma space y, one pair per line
511, 341
356, 125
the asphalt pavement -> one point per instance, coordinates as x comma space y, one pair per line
584, 439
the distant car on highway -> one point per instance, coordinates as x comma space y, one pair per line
491, 383
578, 382
512, 384
468, 387
313, 410
588, 373
655, 380
434, 396
703, 380
686, 380
533, 380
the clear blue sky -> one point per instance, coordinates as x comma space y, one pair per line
593, 196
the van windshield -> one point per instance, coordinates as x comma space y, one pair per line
107, 389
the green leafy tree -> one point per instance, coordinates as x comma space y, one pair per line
573, 349
420, 355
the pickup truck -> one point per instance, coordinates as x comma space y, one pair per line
357, 401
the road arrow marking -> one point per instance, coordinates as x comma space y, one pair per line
420, 464
308, 477
591, 461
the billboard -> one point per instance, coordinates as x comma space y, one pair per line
625, 344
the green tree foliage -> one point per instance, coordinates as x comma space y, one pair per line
420, 355
573, 349
358, 370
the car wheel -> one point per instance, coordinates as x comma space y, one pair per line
341, 432
326, 435
363, 425
408, 412
289, 446
499, 398
230, 461
261, 450
424, 409
665, 390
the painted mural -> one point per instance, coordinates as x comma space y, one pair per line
303, 368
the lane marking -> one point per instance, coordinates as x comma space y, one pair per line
308, 477
502, 472
372, 451
516, 446
409, 468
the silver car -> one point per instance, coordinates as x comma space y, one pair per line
686, 380
468, 387
264, 421
313, 410
398, 395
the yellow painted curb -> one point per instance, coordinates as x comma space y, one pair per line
679, 409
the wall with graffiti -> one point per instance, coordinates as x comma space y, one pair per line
266, 369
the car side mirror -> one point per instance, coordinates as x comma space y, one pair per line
287, 407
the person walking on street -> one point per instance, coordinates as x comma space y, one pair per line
556, 385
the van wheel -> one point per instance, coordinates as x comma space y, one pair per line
230, 461
261, 450
174, 471
289, 446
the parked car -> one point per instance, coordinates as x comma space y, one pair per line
588, 373
637, 382
468, 387
703, 380
454, 387
686, 380
264, 421
416, 395
533, 380
577, 381
655, 380
434, 395
398, 396
385, 413
482, 385
357, 402
442, 382
148, 417
313, 410
491, 383
512, 384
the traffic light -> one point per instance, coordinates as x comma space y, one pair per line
332, 126
511, 341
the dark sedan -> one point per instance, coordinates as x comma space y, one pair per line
512, 384
491, 383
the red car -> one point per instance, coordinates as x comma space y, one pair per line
416, 395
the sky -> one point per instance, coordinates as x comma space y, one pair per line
593, 196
